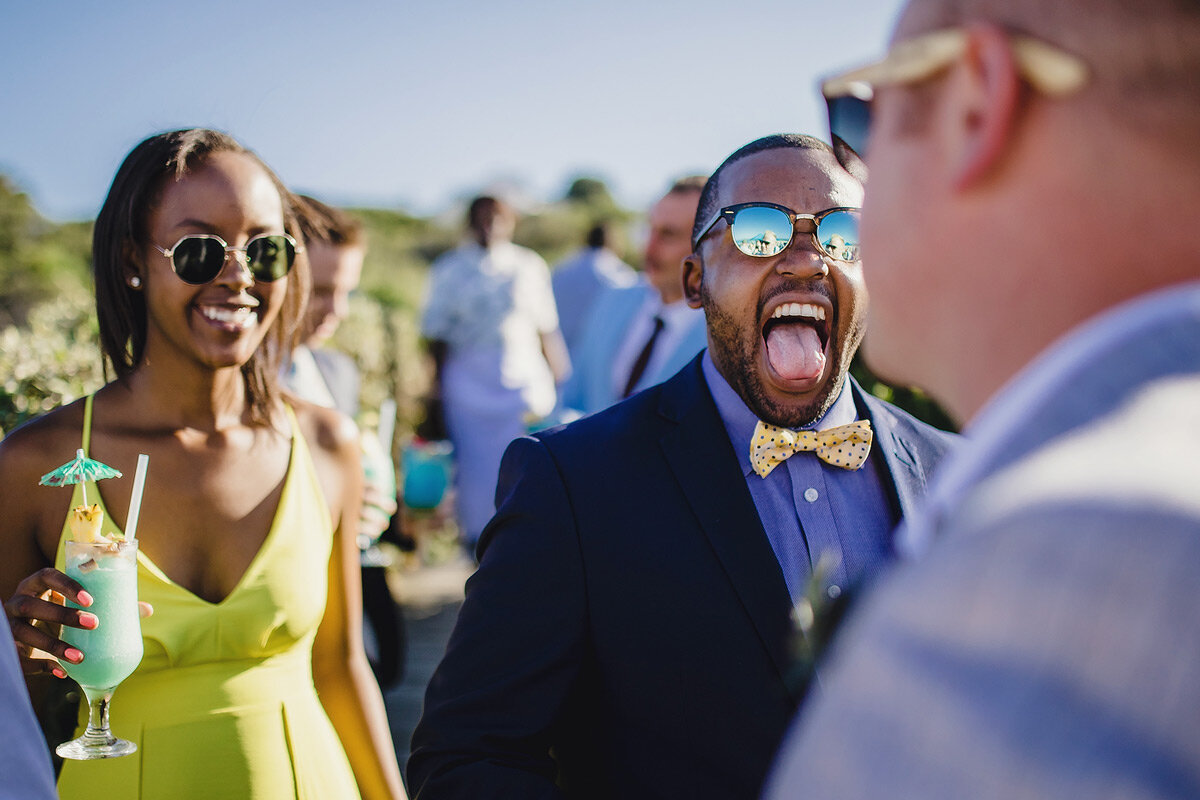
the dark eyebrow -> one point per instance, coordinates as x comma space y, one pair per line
208, 227
192, 223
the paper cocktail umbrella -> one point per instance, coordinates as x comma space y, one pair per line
79, 470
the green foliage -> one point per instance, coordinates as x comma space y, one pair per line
400, 249
912, 400
37, 258
51, 360
555, 231
591, 193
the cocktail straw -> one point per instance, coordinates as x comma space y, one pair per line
387, 424
135, 502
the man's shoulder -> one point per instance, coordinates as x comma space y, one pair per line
453, 264
456, 253
335, 360
522, 255
889, 416
1140, 457
579, 261
631, 296
614, 272
621, 422
633, 423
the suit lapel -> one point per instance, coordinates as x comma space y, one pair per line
906, 473
701, 458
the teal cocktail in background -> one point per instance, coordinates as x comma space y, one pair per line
112, 651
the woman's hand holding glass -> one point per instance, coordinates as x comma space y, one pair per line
36, 611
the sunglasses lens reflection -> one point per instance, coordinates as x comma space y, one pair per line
837, 233
270, 257
198, 259
759, 231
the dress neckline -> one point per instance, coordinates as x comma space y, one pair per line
255, 565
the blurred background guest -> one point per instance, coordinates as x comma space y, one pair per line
580, 280
640, 335
492, 331
336, 248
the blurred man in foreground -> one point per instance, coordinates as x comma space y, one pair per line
1034, 264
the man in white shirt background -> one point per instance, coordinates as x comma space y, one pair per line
492, 331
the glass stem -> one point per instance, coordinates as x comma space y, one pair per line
97, 727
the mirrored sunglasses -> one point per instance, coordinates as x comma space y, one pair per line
763, 230
1043, 66
199, 257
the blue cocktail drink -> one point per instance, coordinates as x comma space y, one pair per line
111, 651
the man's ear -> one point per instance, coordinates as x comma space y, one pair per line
693, 275
987, 86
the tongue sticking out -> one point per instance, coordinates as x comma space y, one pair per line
795, 351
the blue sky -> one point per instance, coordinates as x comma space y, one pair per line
413, 105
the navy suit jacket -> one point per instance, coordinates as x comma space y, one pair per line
626, 633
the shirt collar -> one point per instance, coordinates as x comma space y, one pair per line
740, 421
672, 314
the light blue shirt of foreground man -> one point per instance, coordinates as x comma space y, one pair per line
1045, 642
25, 772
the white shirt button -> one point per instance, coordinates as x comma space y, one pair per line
811, 495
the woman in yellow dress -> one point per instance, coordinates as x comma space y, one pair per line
254, 683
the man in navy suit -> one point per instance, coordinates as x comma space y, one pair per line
1035, 264
627, 632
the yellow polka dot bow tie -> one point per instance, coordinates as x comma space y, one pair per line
845, 446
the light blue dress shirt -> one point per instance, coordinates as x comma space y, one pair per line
810, 508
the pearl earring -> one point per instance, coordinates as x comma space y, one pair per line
135, 282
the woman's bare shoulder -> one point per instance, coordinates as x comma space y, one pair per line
41, 444
326, 429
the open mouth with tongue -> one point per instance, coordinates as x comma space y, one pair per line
796, 336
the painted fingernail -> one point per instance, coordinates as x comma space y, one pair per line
89, 621
73, 655
58, 673
83, 598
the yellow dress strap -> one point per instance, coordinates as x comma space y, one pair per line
291, 415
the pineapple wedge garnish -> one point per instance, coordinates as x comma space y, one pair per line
85, 522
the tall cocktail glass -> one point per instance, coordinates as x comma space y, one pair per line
112, 651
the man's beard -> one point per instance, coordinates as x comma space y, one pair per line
734, 354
